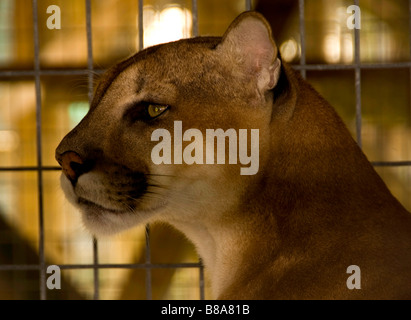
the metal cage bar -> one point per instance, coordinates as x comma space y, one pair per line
301, 66
149, 294
147, 228
248, 5
188, 265
90, 69
409, 32
301, 19
39, 168
357, 62
194, 13
195, 33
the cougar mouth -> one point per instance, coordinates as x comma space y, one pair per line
84, 203
110, 206
91, 207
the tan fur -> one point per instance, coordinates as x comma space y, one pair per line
315, 207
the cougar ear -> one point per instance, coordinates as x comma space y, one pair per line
248, 41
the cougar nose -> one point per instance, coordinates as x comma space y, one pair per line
72, 164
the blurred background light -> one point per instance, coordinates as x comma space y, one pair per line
169, 24
332, 48
77, 110
290, 50
9, 140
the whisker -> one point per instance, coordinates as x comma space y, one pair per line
159, 186
154, 194
160, 175
155, 184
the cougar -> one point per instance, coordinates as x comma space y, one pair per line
311, 220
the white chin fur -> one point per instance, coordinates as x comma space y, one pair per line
100, 222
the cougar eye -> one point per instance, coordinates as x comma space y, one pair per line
144, 111
154, 110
